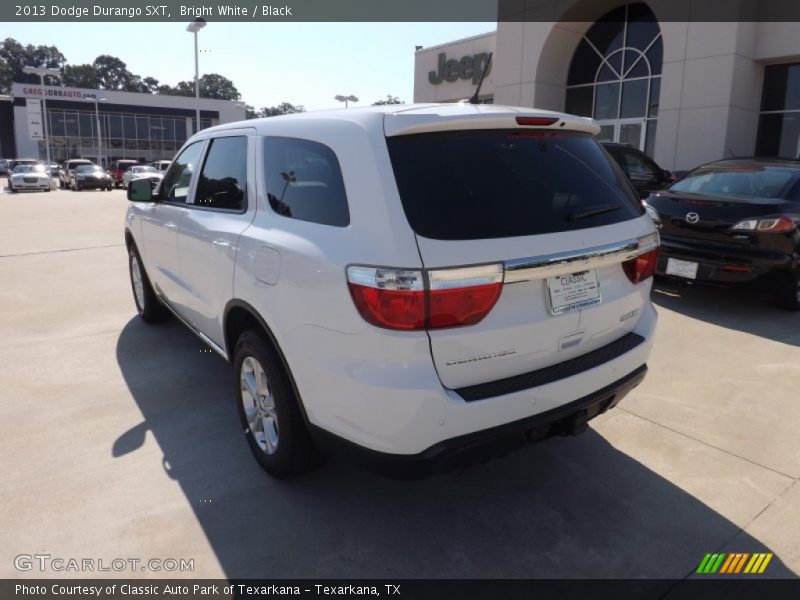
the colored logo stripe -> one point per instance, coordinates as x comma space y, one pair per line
758, 563
734, 563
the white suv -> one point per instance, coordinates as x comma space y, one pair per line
414, 286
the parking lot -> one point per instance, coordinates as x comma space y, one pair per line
119, 439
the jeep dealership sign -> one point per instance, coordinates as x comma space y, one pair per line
467, 67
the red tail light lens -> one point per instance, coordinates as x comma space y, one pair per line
388, 298
398, 299
463, 296
640, 268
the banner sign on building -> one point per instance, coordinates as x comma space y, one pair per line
35, 121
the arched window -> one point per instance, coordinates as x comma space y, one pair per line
615, 75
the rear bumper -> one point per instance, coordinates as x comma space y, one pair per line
379, 389
725, 264
569, 419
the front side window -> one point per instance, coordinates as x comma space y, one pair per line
175, 186
304, 181
223, 181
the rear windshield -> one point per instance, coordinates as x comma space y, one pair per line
740, 181
470, 185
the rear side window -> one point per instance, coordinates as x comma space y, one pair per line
223, 181
175, 185
304, 181
471, 185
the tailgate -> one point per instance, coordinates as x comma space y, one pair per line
546, 205
521, 333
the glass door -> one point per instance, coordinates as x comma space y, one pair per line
623, 131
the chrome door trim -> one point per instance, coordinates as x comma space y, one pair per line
194, 329
546, 265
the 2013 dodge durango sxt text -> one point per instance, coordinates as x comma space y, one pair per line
413, 286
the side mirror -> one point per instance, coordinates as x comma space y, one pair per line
139, 190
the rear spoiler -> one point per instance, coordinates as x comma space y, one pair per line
429, 121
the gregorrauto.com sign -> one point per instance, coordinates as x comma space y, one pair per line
31, 90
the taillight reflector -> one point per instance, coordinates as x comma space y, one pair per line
640, 268
536, 121
399, 299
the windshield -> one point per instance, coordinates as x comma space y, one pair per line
23, 168
470, 185
739, 181
144, 170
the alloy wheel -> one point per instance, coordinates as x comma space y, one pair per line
259, 405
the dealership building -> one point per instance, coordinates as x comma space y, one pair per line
684, 92
140, 126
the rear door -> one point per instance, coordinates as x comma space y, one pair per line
555, 211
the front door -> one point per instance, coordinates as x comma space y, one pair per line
623, 131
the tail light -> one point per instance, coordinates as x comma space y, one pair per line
770, 224
536, 121
415, 299
640, 268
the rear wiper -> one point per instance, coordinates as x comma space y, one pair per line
591, 212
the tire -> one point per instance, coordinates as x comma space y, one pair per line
787, 293
147, 303
281, 443
13, 189
78, 187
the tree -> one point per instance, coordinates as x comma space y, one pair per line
388, 100
81, 76
113, 74
212, 85
16, 56
150, 85
218, 87
284, 108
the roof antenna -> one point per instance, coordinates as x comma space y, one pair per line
474, 99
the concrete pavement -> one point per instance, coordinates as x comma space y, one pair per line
119, 439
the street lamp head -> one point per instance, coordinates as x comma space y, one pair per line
42, 71
196, 25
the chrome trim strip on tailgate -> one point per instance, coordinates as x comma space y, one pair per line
546, 265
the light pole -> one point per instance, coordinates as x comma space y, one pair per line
346, 99
194, 27
41, 72
96, 100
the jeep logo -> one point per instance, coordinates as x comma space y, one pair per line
468, 67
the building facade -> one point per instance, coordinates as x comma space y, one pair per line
684, 92
103, 125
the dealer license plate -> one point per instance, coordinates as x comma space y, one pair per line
682, 268
573, 291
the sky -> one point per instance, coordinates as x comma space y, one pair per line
270, 63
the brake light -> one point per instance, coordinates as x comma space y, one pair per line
536, 121
770, 224
389, 298
640, 268
463, 296
400, 299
